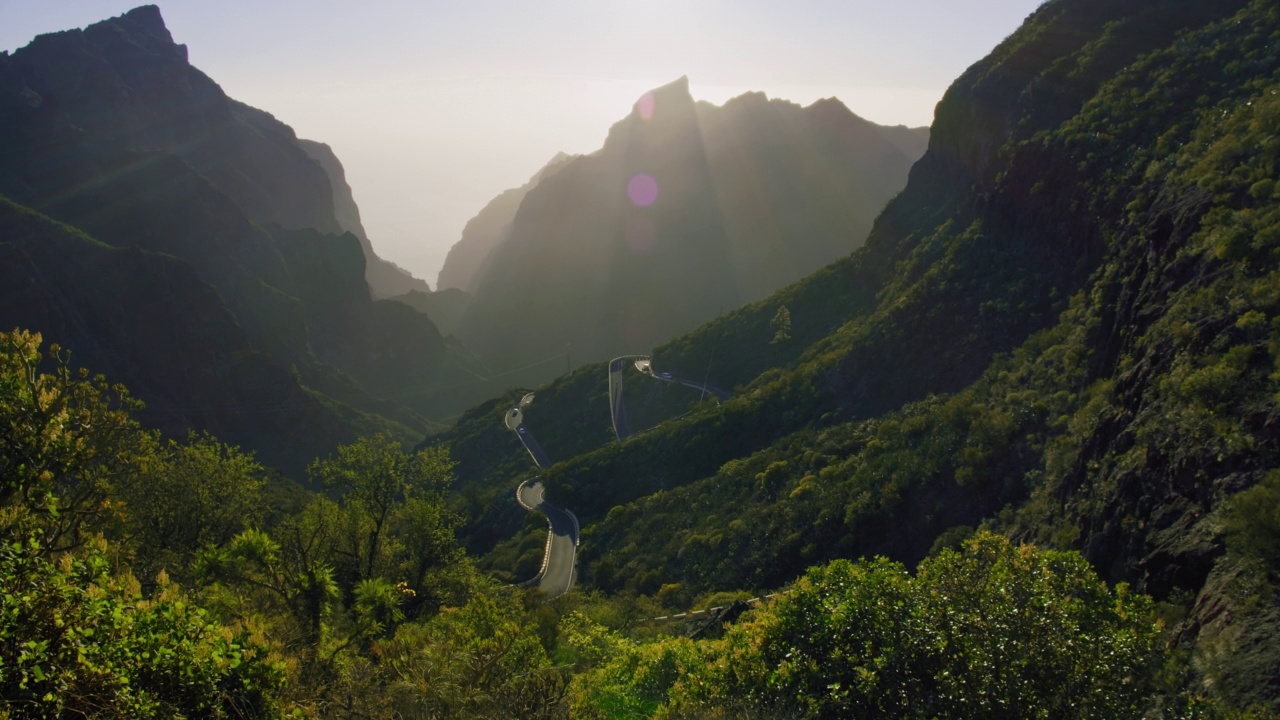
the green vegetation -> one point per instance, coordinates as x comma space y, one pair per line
79, 641
1253, 525
994, 631
361, 604
1063, 330
781, 325
139, 577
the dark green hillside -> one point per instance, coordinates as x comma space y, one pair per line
1064, 329
570, 418
199, 367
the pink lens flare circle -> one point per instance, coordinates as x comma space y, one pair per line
645, 105
642, 189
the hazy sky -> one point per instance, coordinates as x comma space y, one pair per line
435, 107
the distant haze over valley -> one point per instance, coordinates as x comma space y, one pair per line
435, 110
112, 131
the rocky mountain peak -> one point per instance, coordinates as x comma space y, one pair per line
664, 99
832, 107
143, 21
141, 31
660, 110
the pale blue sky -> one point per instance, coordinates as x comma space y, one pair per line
435, 107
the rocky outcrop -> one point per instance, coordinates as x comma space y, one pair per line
385, 278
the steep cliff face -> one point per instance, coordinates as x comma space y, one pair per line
468, 259
685, 212
111, 131
385, 278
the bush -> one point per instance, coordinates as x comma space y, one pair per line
77, 642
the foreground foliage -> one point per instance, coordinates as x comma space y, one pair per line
77, 641
995, 631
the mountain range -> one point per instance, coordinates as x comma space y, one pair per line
688, 210
109, 130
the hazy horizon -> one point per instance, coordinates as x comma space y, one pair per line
435, 109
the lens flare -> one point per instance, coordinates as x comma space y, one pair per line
642, 189
645, 105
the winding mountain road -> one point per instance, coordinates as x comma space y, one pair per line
558, 561
560, 558
644, 364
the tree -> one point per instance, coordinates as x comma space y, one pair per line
376, 478
481, 660
65, 440
995, 631
186, 496
425, 555
76, 641
781, 325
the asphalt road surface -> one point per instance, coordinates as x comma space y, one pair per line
535, 450
563, 548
